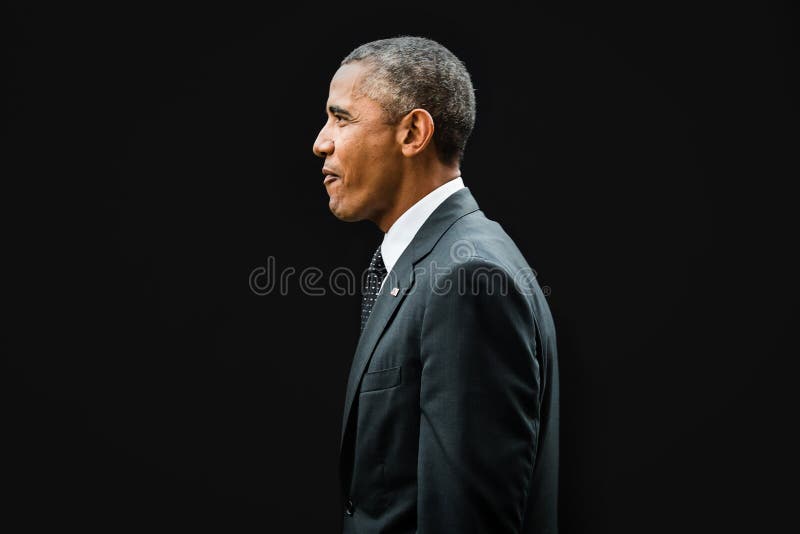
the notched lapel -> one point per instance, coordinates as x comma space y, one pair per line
401, 278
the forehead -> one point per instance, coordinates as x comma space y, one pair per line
345, 82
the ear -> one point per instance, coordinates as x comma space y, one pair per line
415, 131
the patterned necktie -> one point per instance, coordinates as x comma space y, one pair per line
375, 274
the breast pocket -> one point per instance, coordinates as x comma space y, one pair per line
383, 379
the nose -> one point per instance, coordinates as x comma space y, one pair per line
323, 145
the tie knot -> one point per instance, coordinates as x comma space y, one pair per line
376, 265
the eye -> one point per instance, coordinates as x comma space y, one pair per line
339, 118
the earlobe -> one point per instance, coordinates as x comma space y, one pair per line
416, 131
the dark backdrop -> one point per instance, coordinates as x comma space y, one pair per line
157, 155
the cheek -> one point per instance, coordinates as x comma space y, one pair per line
365, 155
379, 148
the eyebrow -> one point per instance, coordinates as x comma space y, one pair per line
336, 110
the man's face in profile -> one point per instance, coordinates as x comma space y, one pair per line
362, 154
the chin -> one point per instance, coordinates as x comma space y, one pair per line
347, 218
342, 214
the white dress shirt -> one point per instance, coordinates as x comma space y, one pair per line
400, 234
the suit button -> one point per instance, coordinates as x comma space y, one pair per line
348, 507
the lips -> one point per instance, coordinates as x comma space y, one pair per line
330, 176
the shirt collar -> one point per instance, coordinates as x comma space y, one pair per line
399, 236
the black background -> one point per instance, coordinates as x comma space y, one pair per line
156, 155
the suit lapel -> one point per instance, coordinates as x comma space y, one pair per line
382, 311
453, 208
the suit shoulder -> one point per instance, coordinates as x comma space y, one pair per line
476, 236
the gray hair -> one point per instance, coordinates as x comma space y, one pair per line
406, 73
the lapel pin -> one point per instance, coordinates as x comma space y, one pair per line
395, 291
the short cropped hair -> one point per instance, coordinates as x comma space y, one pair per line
406, 73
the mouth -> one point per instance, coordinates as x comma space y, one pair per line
329, 176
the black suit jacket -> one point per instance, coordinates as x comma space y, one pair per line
451, 411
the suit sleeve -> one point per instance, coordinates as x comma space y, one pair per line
479, 403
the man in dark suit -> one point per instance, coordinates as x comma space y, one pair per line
451, 410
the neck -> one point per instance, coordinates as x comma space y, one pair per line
412, 188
